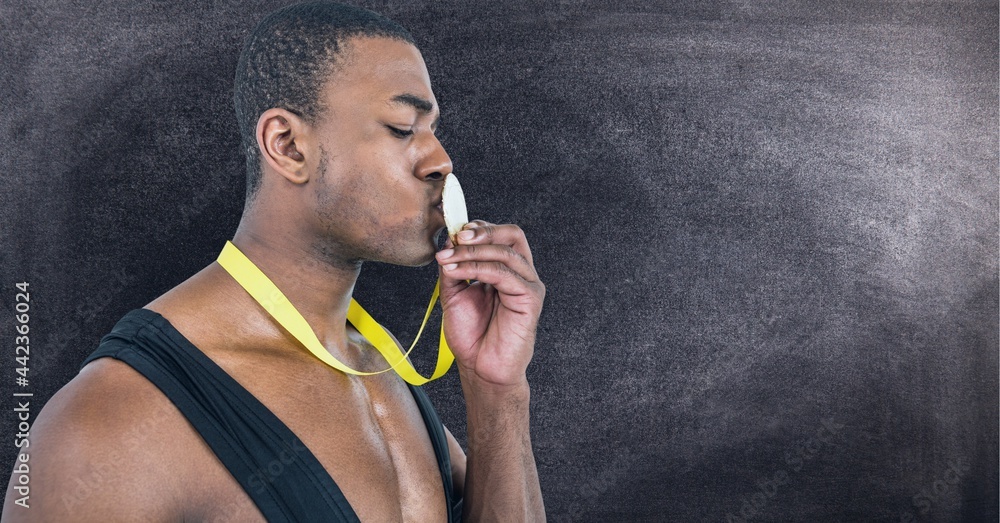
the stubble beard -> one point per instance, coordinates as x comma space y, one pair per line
395, 244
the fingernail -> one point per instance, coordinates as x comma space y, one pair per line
449, 266
445, 254
466, 235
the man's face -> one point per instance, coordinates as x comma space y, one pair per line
380, 169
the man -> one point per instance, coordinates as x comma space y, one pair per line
200, 407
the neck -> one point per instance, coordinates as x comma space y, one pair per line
315, 280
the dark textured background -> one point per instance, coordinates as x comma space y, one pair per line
751, 216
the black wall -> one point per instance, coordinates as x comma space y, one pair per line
768, 230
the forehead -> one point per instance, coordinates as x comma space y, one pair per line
373, 72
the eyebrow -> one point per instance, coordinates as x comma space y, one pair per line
418, 103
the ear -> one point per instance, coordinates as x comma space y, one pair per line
284, 143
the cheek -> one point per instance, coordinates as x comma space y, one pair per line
343, 206
372, 189
368, 206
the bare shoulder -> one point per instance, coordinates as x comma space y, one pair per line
107, 446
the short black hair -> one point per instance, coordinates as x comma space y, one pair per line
288, 58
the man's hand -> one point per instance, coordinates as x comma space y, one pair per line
490, 324
492, 297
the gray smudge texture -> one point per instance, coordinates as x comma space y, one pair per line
754, 219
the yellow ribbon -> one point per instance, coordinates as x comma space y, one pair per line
267, 294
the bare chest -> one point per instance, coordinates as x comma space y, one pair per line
367, 433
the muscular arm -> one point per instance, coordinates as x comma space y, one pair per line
87, 457
492, 299
501, 483
495, 446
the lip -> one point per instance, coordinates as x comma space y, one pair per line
437, 215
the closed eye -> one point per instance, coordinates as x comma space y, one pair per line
401, 133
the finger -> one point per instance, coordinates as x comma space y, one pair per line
477, 223
507, 282
489, 252
450, 286
480, 232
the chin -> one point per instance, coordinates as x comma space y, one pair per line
425, 257
411, 253
410, 262
433, 245
418, 256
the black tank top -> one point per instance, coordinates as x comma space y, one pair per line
282, 477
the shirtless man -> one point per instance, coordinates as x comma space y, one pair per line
353, 173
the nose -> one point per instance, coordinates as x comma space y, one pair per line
436, 164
